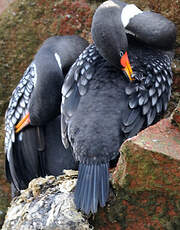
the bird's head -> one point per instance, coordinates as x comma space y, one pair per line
109, 35
110, 22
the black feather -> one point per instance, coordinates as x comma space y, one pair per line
128, 129
159, 106
11, 172
139, 126
165, 101
90, 73
68, 84
154, 99
156, 84
81, 174
152, 91
130, 90
82, 89
133, 102
159, 92
151, 115
90, 191
128, 120
146, 107
71, 102
92, 187
148, 82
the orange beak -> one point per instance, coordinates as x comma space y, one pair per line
23, 123
126, 66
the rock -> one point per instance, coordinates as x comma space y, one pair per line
47, 204
142, 210
175, 117
151, 160
146, 181
176, 75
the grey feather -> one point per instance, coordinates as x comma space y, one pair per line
18, 104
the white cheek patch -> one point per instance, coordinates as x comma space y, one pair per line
129, 12
58, 60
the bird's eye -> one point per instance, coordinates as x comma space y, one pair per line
121, 53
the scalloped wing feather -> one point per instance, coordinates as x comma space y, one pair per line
76, 85
148, 98
18, 105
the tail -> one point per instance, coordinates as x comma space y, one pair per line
92, 187
22, 165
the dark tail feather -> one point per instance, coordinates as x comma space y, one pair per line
104, 190
92, 187
78, 187
11, 172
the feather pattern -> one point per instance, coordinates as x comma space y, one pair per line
18, 105
76, 85
148, 97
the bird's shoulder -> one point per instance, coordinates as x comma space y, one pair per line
76, 84
81, 71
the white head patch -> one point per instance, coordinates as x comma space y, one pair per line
58, 60
129, 12
108, 4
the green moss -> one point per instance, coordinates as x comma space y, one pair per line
151, 228
143, 206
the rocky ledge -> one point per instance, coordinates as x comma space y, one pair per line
146, 181
46, 204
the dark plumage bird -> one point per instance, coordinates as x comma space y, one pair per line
118, 86
33, 144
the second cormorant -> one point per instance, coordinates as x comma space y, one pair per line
33, 144
118, 86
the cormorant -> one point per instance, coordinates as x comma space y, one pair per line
33, 144
118, 86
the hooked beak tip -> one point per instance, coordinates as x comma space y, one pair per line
128, 72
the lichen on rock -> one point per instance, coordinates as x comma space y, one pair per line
46, 204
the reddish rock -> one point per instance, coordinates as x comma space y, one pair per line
147, 182
140, 210
151, 160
